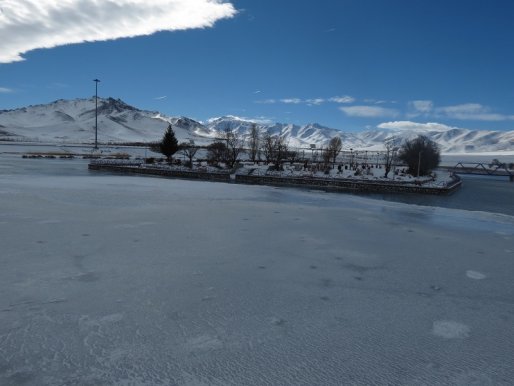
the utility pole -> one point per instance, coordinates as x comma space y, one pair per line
96, 112
419, 161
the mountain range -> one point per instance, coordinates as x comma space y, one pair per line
73, 121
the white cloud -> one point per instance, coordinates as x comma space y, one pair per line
267, 101
419, 108
379, 101
5, 90
160, 98
342, 99
310, 101
368, 111
415, 126
294, 101
26, 25
315, 101
471, 111
422, 106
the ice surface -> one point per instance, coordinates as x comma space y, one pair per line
114, 280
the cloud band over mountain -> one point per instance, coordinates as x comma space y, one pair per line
26, 25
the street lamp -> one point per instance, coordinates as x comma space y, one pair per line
419, 160
351, 158
96, 112
393, 159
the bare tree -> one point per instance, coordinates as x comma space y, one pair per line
234, 145
334, 148
254, 143
275, 149
216, 152
267, 146
293, 155
189, 150
391, 149
326, 156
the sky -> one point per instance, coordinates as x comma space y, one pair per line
352, 65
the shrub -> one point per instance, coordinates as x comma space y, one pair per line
421, 155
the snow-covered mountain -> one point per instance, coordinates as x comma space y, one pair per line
73, 121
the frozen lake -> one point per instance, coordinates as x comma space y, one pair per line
145, 281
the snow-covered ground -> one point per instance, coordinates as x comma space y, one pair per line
144, 281
357, 173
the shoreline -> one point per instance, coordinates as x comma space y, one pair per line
326, 184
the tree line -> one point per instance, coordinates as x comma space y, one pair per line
421, 155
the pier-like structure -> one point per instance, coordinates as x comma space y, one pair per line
481, 169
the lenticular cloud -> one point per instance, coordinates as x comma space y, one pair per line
26, 25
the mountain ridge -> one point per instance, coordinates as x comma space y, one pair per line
73, 121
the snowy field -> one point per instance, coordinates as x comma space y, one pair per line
145, 281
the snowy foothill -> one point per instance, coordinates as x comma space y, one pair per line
142, 281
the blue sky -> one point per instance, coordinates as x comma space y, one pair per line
347, 64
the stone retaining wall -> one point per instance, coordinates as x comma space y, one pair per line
348, 184
190, 175
329, 184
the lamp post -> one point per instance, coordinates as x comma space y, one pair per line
419, 160
393, 160
96, 112
351, 158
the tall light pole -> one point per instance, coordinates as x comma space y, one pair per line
96, 112
419, 160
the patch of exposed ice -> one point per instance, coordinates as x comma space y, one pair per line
135, 225
448, 329
277, 321
475, 275
471, 378
204, 343
112, 318
49, 221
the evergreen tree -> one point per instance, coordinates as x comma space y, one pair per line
169, 144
